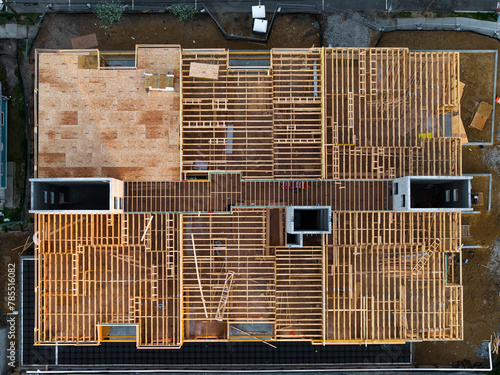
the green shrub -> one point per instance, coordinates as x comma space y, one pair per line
183, 11
109, 12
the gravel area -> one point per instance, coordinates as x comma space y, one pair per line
342, 31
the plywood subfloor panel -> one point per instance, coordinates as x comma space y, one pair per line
102, 123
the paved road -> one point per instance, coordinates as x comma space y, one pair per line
242, 5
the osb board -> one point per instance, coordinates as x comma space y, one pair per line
481, 115
200, 70
88, 61
102, 123
461, 88
159, 60
84, 42
158, 81
457, 127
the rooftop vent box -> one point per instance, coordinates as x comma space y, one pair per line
308, 219
76, 195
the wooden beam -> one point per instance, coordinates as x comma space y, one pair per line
198, 277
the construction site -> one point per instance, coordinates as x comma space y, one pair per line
188, 195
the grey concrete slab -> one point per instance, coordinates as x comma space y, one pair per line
10, 30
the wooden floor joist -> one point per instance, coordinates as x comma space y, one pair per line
208, 257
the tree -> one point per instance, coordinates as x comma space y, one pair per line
183, 11
109, 12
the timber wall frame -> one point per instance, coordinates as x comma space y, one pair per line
322, 113
379, 277
107, 269
205, 258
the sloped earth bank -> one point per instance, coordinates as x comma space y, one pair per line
481, 273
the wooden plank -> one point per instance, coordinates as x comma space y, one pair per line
84, 42
481, 115
202, 70
457, 127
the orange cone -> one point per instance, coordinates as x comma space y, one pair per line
498, 99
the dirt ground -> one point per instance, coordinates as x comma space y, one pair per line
289, 30
481, 273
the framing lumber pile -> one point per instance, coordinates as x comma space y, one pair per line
201, 252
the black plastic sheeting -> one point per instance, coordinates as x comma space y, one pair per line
201, 355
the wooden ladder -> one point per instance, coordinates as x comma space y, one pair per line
225, 294
350, 109
362, 73
136, 308
124, 229
373, 74
424, 259
154, 282
75, 274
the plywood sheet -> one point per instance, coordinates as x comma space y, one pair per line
84, 42
102, 123
200, 70
87, 61
159, 81
457, 127
482, 113
461, 88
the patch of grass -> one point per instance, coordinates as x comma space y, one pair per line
183, 11
14, 214
491, 16
401, 15
6, 18
26, 18
109, 12
29, 19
